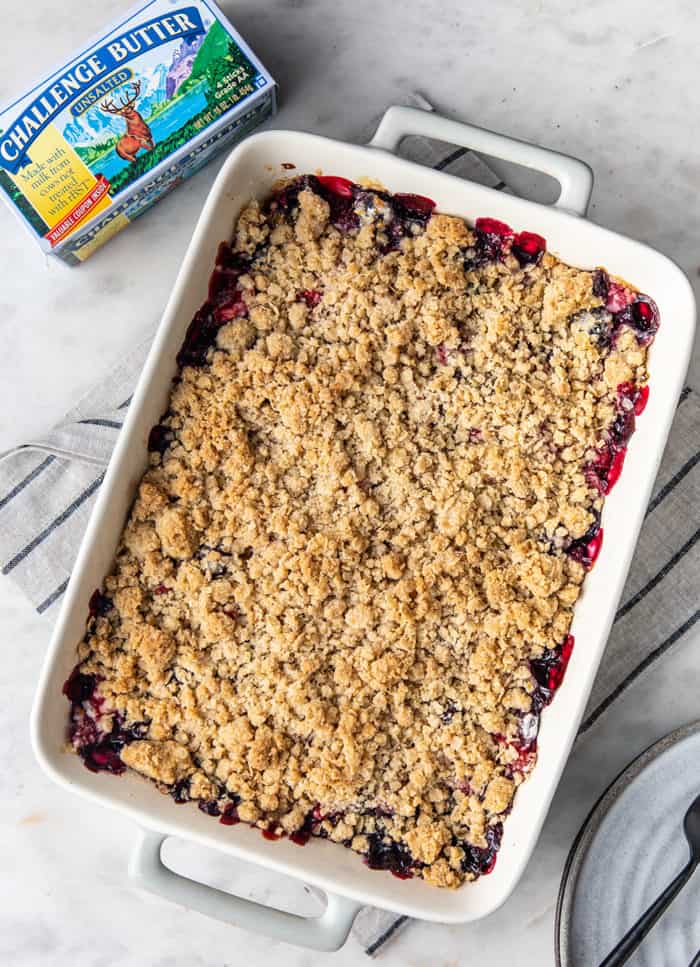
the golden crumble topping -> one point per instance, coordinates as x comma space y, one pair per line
343, 594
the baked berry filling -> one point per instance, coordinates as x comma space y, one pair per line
336, 186
549, 670
99, 604
229, 815
600, 284
526, 758
209, 806
159, 439
98, 736
480, 861
302, 835
586, 549
604, 470
623, 307
180, 791
310, 296
403, 214
410, 216
272, 832
79, 687
528, 248
225, 303
495, 240
385, 854
492, 226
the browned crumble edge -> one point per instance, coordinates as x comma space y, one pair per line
343, 593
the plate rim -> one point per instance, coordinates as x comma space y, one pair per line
591, 824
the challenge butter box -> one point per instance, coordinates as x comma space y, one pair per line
136, 112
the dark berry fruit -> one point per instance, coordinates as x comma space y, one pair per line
410, 214
418, 205
386, 854
336, 185
480, 860
492, 226
200, 336
622, 427
229, 814
159, 439
99, 604
549, 670
586, 549
645, 315
79, 687
272, 832
302, 835
225, 302
310, 296
103, 756
209, 806
492, 240
528, 248
339, 193
286, 199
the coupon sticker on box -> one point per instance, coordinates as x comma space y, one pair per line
138, 110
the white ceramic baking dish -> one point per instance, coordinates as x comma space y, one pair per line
250, 171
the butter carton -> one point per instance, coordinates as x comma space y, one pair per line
136, 112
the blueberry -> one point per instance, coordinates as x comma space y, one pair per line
209, 806
387, 854
99, 604
79, 686
480, 860
578, 549
159, 439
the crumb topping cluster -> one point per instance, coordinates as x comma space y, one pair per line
343, 594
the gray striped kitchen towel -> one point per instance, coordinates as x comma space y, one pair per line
48, 487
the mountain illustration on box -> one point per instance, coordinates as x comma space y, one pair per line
160, 106
158, 85
182, 64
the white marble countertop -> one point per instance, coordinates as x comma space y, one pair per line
614, 84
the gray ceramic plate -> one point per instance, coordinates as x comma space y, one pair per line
629, 848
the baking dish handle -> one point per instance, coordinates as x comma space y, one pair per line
326, 932
574, 176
